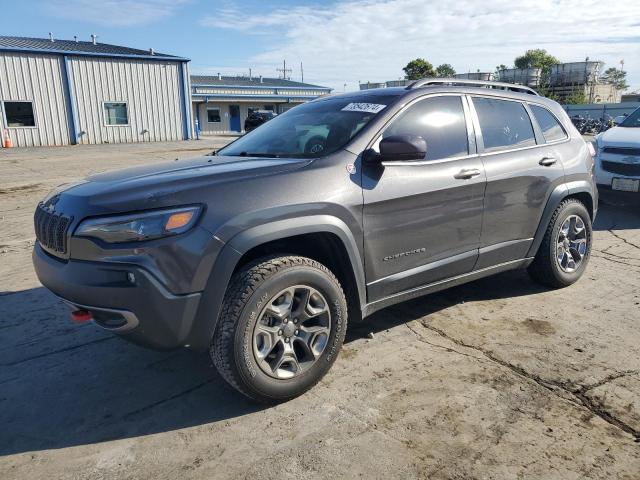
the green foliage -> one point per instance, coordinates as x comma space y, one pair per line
616, 77
545, 91
576, 97
445, 70
418, 68
537, 58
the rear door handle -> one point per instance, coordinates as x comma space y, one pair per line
467, 173
547, 161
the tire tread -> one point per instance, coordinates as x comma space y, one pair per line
242, 285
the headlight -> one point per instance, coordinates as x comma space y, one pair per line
140, 226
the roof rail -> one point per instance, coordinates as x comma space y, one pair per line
458, 82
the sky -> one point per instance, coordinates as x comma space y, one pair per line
343, 42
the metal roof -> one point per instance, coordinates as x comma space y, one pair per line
229, 81
72, 47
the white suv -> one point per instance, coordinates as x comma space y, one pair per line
618, 157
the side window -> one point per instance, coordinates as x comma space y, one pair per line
440, 121
551, 128
504, 124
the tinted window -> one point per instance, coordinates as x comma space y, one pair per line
440, 121
504, 124
19, 114
551, 128
632, 120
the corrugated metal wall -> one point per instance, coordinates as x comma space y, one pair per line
36, 78
151, 90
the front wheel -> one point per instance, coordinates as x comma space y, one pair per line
281, 328
566, 247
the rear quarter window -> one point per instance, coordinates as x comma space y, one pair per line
504, 124
551, 128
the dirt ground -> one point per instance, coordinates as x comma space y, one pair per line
497, 379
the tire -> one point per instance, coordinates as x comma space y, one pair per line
546, 267
239, 341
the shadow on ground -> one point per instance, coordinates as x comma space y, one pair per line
63, 385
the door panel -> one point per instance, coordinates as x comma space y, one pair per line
234, 120
517, 184
422, 222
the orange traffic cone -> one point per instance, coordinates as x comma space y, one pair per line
6, 141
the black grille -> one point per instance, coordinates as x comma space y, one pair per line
51, 229
628, 169
622, 150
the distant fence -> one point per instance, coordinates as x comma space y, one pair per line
601, 110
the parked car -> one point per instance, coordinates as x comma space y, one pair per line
257, 118
618, 158
263, 253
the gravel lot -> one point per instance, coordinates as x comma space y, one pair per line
495, 379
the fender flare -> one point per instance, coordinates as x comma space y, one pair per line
556, 197
241, 243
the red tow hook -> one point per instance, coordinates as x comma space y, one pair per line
81, 316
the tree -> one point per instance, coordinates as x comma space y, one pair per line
445, 70
616, 77
417, 69
537, 58
577, 97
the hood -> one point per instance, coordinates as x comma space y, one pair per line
620, 137
165, 184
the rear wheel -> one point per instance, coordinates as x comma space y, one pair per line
282, 325
566, 246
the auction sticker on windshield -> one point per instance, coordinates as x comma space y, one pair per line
364, 107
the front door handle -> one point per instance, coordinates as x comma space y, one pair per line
547, 161
467, 173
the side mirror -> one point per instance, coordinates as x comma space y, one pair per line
402, 148
619, 119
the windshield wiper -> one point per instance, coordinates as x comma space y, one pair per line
256, 154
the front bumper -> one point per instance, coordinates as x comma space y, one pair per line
154, 317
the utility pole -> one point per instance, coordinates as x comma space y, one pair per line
301, 73
284, 70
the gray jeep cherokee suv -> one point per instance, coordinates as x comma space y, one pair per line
331, 211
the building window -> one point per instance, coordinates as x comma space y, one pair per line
213, 115
115, 113
270, 108
19, 114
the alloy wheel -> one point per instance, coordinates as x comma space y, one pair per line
292, 332
571, 244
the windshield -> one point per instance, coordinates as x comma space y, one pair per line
310, 130
632, 120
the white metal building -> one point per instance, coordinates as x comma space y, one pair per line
61, 92
222, 103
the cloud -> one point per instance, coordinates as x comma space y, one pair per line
371, 40
114, 13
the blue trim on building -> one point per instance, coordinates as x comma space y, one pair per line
260, 86
250, 96
186, 101
71, 95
